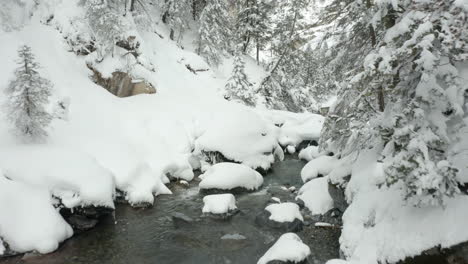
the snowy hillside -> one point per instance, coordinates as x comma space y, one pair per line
204, 115
131, 143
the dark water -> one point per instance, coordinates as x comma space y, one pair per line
154, 236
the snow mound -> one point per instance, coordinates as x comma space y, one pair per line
289, 247
219, 203
240, 135
28, 221
322, 165
284, 212
316, 196
73, 176
143, 185
227, 176
309, 153
294, 131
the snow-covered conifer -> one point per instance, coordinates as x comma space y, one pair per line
238, 86
214, 31
27, 98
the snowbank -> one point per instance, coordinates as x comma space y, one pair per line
316, 196
219, 203
28, 221
227, 176
289, 247
322, 165
143, 185
379, 226
73, 176
284, 212
239, 135
309, 153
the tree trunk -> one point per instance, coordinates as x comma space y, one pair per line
132, 5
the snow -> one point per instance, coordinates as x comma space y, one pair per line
284, 212
73, 176
219, 203
289, 247
143, 186
227, 176
337, 261
309, 153
322, 165
316, 196
295, 128
28, 221
240, 135
131, 144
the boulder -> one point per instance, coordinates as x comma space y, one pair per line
121, 84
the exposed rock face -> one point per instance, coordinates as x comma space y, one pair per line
122, 84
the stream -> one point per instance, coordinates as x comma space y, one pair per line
174, 230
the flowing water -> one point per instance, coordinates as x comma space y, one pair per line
174, 230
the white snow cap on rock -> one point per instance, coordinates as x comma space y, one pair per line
321, 165
316, 196
219, 203
226, 176
309, 153
28, 221
240, 135
284, 212
289, 247
77, 178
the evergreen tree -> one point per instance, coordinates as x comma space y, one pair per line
27, 96
405, 92
238, 86
252, 24
107, 25
214, 31
177, 13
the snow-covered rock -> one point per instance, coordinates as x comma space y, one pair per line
227, 176
284, 212
219, 203
322, 165
77, 178
143, 184
309, 153
240, 135
316, 196
289, 247
28, 221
